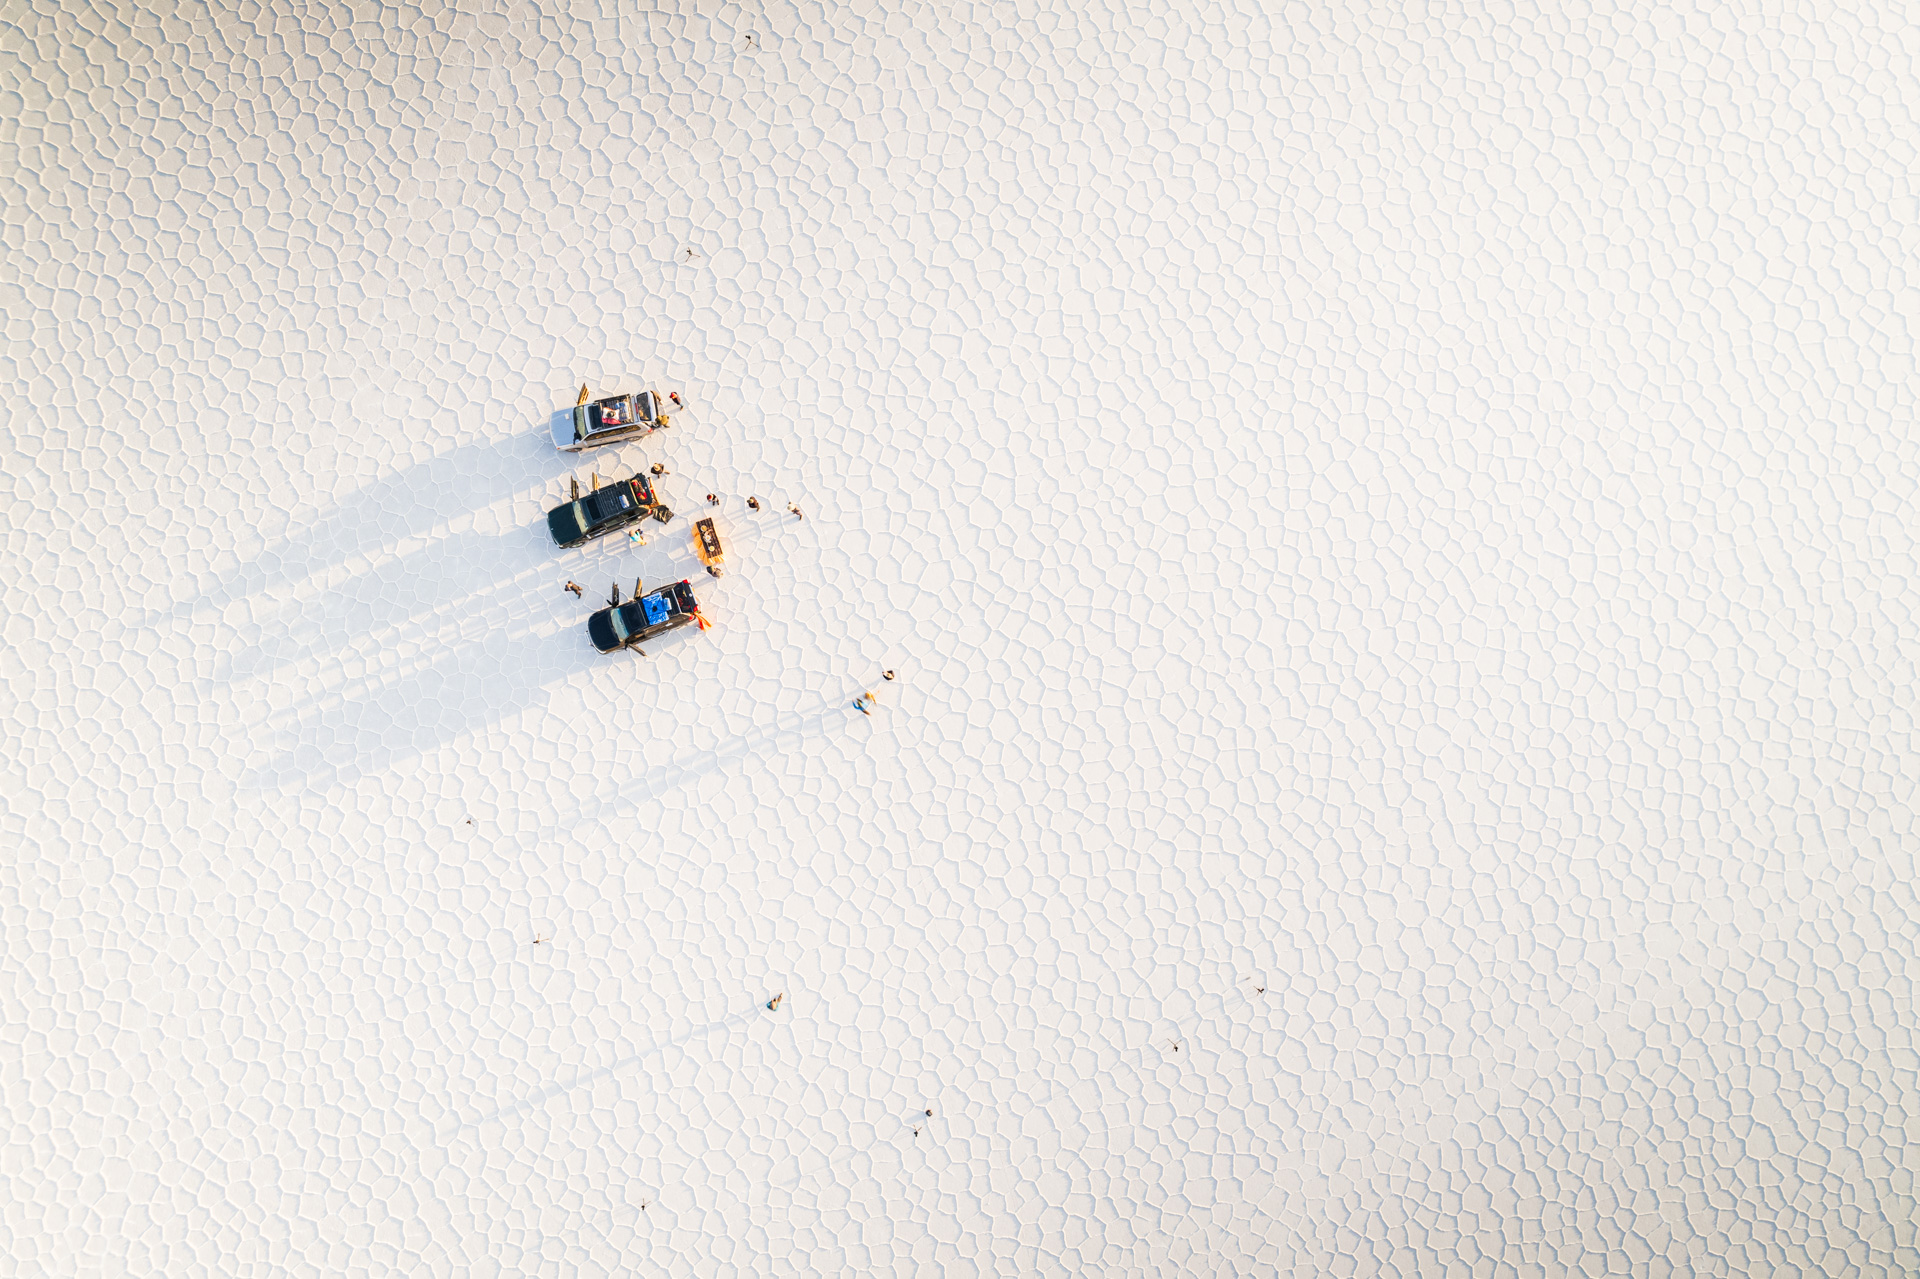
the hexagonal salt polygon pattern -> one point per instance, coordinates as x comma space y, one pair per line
1394, 530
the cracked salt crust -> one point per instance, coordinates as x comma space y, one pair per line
1393, 526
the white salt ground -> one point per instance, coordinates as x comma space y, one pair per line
1394, 524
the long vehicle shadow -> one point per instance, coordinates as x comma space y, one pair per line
367, 723
374, 641
355, 614
361, 733
408, 503
540, 1098
376, 692
439, 580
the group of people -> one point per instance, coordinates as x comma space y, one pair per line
863, 703
867, 700
753, 504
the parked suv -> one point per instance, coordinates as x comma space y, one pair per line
608, 421
604, 511
644, 617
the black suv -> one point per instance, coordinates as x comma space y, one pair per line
604, 510
644, 617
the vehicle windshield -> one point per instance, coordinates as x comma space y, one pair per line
619, 619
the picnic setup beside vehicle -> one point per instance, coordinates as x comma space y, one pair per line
625, 504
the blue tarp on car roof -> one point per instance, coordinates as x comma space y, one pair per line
657, 609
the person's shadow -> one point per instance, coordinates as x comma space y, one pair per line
513, 1110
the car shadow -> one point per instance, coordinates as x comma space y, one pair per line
376, 724
373, 634
437, 578
361, 723
378, 689
409, 503
281, 634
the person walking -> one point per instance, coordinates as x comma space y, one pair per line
575, 588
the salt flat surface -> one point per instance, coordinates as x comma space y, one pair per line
1394, 525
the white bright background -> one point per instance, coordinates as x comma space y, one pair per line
1394, 525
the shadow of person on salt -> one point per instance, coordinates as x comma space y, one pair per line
653, 780
514, 1109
